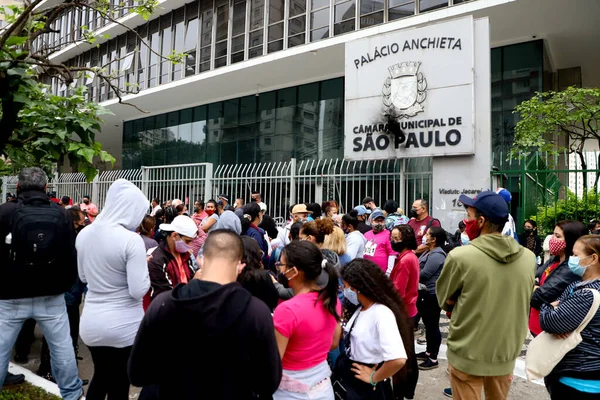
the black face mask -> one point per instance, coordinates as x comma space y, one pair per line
528, 231
412, 213
283, 280
398, 247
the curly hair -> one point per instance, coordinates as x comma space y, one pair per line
319, 229
328, 205
367, 277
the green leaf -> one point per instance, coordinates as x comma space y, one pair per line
16, 40
87, 153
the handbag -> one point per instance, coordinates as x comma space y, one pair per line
546, 350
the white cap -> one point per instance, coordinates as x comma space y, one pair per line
183, 225
262, 206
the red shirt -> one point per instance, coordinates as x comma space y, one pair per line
534, 314
405, 277
419, 227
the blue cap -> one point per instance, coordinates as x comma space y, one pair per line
362, 210
490, 204
377, 214
505, 194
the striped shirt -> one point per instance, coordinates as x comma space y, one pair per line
572, 309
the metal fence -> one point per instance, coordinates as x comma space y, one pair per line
281, 184
548, 187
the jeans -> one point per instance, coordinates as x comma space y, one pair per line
110, 373
25, 339
51, 315
74, 317
429, 310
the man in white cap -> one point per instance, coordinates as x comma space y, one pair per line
172, 261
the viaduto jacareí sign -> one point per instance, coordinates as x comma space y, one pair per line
410, 93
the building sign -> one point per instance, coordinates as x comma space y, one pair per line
410, 93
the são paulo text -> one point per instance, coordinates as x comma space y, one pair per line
411, 139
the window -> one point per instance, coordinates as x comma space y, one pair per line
430, 5
179, 37
142, 59
345, 18
268, 126
206, 11
238, 31
165, 33
154, 43
371, 12
222, 33
297, 23
189, 46
257, 11
400, 9
319, 21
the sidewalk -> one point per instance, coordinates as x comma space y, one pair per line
430, 386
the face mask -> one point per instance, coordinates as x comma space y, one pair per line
86, 202
424, 241
412, 213
209, 212
181, 247
575, 267
528, 231
351, 296
285, 275
557, 246
398, 247
378, 227
471, 228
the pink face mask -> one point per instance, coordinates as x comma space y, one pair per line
557, 246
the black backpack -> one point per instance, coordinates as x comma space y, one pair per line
38, 229
451, 240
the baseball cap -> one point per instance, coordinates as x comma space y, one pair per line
362, 210
224, 197
183, 225
505, 194
300, 208
263, 206
377, 214
490, 204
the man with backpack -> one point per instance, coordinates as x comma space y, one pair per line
38, 264
421, 221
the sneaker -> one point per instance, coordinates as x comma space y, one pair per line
428, 364
19, 359
421, 341
422, 356
448, 392
12, 379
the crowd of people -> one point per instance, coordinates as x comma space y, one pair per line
217, 301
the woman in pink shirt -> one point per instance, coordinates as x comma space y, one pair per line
405, 274
306, 326
379, 247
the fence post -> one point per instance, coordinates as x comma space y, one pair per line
208, 178
95, 191
145, 181
292, 181
4, 188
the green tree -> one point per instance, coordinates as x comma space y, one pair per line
572, 113
37, 127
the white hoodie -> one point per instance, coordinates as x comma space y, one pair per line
111, 258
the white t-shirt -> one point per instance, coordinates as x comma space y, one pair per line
375, 336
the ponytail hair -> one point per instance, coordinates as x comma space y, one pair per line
318, 228
251, 211
307, 257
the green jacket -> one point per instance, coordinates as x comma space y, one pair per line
491, 280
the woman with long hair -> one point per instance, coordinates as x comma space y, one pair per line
378, 336
307, 326
146, 231
336, 242
254, 278
250, 221
209, 223
554, 276
577, 375
405, 274
530, 239
431, 264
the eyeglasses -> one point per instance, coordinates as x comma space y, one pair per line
279, 264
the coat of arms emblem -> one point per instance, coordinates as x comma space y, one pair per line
404, 90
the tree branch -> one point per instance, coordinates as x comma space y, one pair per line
19, 24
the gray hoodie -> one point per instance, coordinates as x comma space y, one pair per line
431, 263
230, 221
111, 258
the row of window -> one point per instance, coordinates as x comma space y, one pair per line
215, 33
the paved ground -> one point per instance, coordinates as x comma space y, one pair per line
430, 385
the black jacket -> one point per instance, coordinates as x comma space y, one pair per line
19, 282
207, 341
537, 245
260, 285
554, 285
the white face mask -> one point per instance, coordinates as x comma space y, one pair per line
424, 241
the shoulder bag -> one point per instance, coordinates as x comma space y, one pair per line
547, 350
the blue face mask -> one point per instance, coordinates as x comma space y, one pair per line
575, 267
351, 296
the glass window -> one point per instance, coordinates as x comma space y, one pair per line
319, 34
166, 65
276, 8
429, 5
276, 32
257, 10
345, 17
179, 37
256, 44
316, 4
319, 19
239, 17
222, 32
297, 40
190, 43
206, 41
154, 45
297, 7
369, 6
297, 25
371, 19
400, 11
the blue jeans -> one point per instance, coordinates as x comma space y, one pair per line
50, 313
